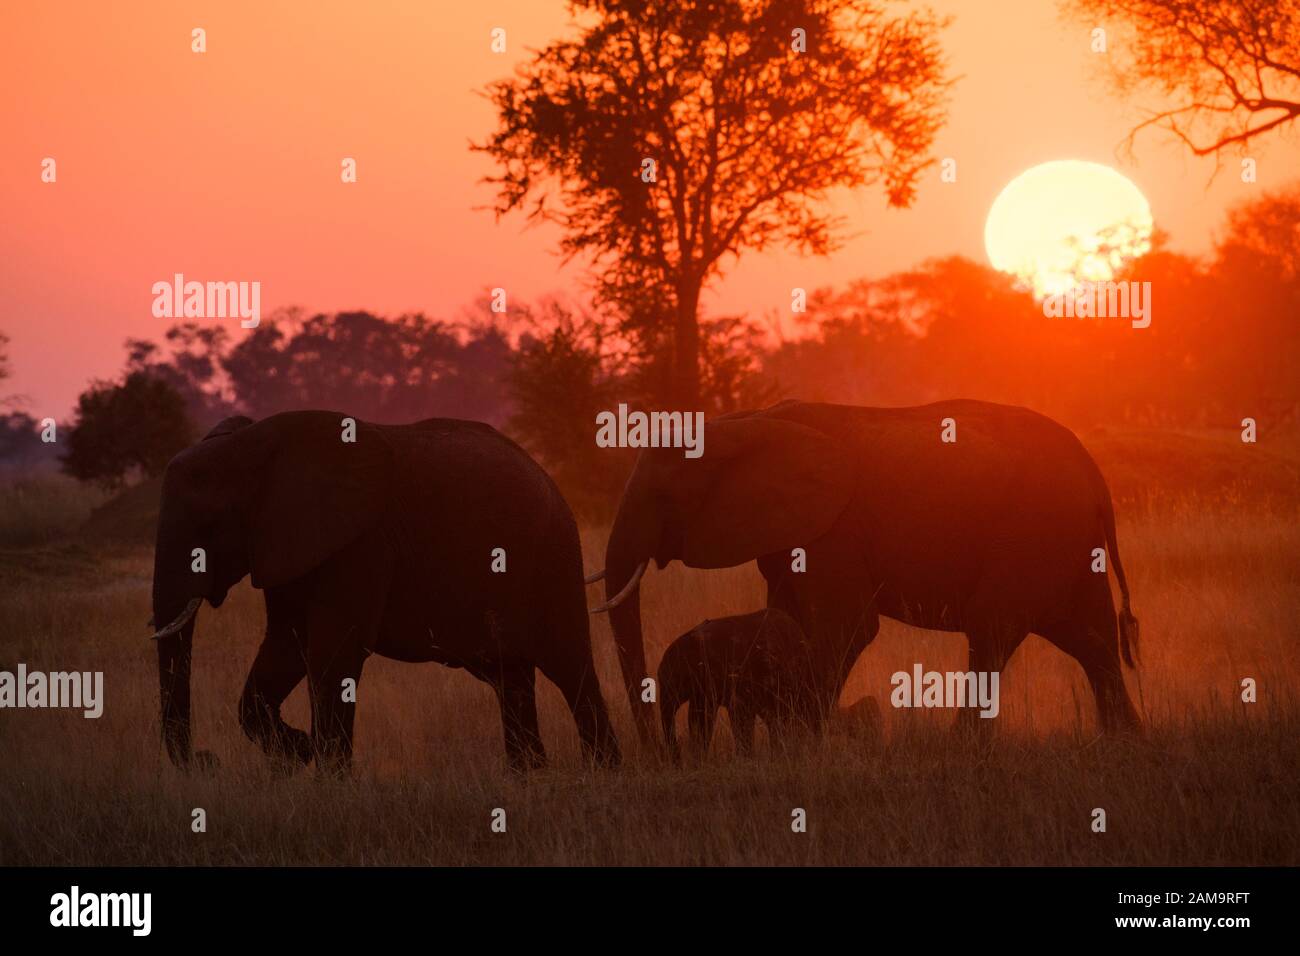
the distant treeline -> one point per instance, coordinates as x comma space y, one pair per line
1222, 345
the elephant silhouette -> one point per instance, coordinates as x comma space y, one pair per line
995, 534
437, 541
755, 665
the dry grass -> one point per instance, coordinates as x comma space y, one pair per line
1213, 782
36, 510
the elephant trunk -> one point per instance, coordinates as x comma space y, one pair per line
174, 653
175, 608
631, 544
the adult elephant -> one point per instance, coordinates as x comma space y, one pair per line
438, 541
992, 534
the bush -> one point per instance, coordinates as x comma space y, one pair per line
558, 382
126, 431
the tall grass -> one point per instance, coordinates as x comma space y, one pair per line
41, 509
1213, 782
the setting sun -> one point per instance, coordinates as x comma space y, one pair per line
1065, 222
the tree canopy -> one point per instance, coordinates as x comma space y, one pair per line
668, 136
1230, 70
121, 429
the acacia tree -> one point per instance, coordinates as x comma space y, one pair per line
669, 136
1232, 70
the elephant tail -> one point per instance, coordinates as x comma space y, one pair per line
1128, 624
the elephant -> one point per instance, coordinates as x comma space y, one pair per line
440, 541
960, 516
752, 664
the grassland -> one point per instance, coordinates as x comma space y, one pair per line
1214, 564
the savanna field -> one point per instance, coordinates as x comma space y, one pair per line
1210, 540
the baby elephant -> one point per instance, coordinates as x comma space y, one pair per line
755, 665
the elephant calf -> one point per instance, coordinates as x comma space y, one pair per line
754, 664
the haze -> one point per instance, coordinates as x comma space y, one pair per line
225, 165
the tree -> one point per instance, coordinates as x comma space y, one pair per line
383, 370
20, 442
1254, 297
1231, 69
119, 429
668, 136
194, 368
1265, 232
558, 382
12, 401
730, 361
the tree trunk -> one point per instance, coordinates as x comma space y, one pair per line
686, 348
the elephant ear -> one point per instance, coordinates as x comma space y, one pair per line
772, 485
320, 493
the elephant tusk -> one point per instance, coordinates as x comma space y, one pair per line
628, 588
181, 620
594, 577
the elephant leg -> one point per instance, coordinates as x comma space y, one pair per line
668, 707
1091, 637
990, 648
995, 627
577, 681
278, 668
344, 605
835, 605
842, 622
335, 655
741, 714
703, 716
516, 688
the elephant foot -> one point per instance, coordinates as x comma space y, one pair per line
289, 748
296, 745
334, 766
204, 761
263, 725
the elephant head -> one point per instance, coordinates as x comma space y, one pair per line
762, 485
275, 498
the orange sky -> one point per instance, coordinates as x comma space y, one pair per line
225, 165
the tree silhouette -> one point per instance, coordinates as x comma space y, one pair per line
383, 370
668, 136
192, 367
558, 382
135, 426
5, 371
1233, 69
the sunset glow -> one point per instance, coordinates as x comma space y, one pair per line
1066, 222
